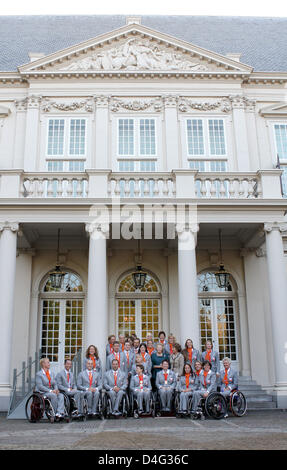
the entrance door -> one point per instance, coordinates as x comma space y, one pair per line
217, 322
138, 316
62, 313
62, 329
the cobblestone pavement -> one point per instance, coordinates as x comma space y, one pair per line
257, 430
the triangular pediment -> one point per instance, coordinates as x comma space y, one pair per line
278, 109
134, 48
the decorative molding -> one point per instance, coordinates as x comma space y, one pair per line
102, 100
242, 102
48, 106
136, 54
183, 228
185, 105
137, 104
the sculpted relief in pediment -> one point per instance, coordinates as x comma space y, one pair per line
136, 54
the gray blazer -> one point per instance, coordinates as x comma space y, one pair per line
62, 381
176, 363
147, 368
109, 381
181, 384
42, 382
83, 382
214, 360
135, 382
210, 382
110, 359
98, 364
108, 350
128, 366
232, 379
171, 380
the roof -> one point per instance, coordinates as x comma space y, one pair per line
262, 41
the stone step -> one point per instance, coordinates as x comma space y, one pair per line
261, 398
268, 405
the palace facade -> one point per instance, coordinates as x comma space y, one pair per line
165, 147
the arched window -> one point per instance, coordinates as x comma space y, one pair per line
62, 313
138, 310
218, 315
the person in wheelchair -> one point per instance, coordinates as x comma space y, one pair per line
115, 383
46, 384
140, 387
186, 385
166, 384
90, 383
66, 383
206, 383
146, 365
228, 378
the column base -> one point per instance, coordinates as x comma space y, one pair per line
5, 394
280, 395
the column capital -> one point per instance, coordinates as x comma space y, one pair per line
270, 226
13, 226
34, 101
170, 101
97, 230
102, 101
183, 228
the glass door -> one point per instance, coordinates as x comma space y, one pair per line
138, 316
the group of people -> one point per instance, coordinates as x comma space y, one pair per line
139, 367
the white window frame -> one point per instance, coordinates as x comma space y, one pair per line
137, 154
206, 138
67, 134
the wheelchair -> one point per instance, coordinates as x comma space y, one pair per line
134, 408
158, 406
37, 406
216, 405
107, 411
180, 414
71, 409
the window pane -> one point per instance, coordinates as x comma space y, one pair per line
126, 137
195, 142
281, 140
147, 137
216, 137
77, 137
56, 137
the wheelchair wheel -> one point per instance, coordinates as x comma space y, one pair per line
49, 410
85, 409
238, 404
215, 406
35, 407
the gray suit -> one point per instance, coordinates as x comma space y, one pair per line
108, 350
214, 360
184, 396
42, 385
98, 365
128, 364
232, 381
109, 383
204, 385
143, 393
70, 388
122, 363
83, 384
166, 389
147, 368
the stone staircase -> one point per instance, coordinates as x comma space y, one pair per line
257, 398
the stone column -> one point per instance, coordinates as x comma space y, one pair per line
276, 266
187, 284
8, 246
171, 132
102, 133
240, 132
97, 311
32, 133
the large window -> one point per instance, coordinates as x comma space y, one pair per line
136, 137
66, 137
205, 137
280, 131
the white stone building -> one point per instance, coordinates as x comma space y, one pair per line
96, 132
